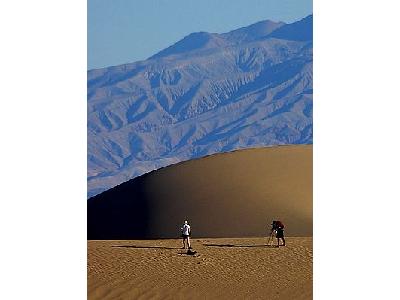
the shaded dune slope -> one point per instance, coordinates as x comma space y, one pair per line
224, 195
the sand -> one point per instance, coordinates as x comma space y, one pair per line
223, 268
229, 199
234, 194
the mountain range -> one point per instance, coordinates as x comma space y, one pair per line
207, 93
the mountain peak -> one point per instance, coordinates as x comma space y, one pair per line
253, 31
191, 42
205, 40
298, 31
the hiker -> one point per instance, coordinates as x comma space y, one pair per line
272, 233
279, 227
185, 235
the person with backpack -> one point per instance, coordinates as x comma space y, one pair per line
272, 233
186, 235
279, 228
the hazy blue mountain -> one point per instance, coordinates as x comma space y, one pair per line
298, 31
207, 93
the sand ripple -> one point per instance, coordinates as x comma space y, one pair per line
239, 268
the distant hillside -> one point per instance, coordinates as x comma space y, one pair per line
208, 93
224, 195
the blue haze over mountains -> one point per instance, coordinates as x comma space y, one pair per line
207, 93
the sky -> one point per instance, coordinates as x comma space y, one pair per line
123, 31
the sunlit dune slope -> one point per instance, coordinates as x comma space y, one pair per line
225, 195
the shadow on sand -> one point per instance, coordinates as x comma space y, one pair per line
240, 246
189, 253
145, 247
186, 253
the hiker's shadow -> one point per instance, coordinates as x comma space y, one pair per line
186, 253
145, 247
240, 246
189, 253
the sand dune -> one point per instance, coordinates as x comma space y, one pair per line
225, 195
238, 268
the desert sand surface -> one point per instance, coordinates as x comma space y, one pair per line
223, 268
235, 194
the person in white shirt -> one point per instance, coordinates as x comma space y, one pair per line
185, 235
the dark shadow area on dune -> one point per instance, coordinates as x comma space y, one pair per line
146, 247
120, 213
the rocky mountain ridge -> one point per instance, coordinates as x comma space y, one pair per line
205, 94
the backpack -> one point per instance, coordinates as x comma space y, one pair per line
279, 224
